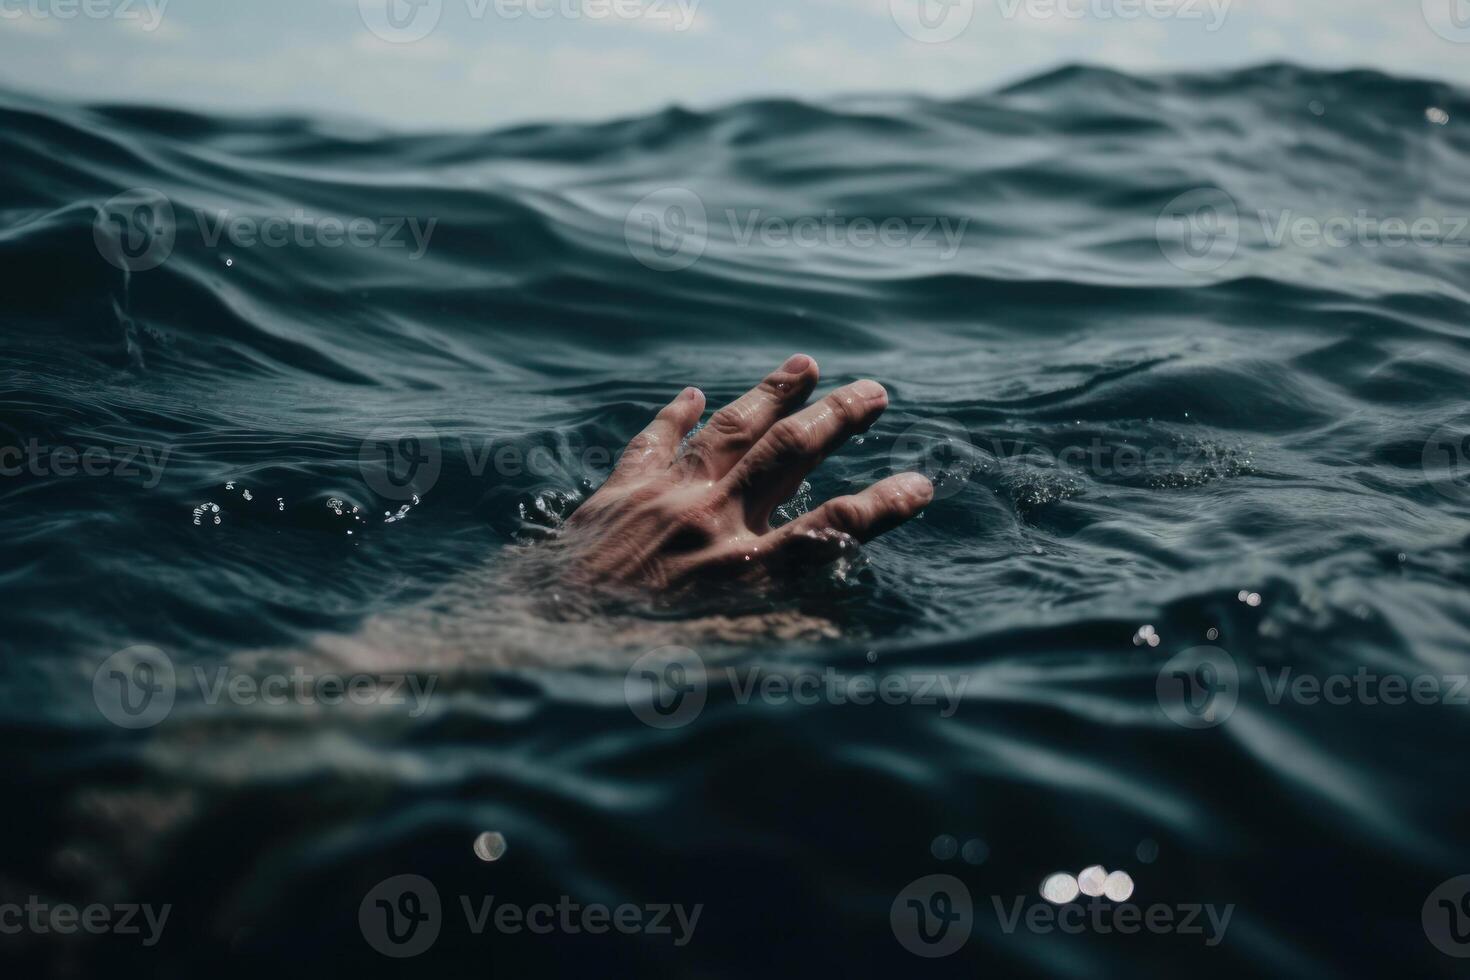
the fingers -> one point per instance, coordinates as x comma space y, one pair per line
734, 429
772, 471
653, 449
881, 507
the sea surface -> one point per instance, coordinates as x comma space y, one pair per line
296, 398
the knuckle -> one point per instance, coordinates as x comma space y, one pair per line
697, 458
840, 402
727, 423
846, 513
789, 439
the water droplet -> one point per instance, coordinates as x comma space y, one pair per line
1090, 881
1060, 888
975, 851
1212, 634
944, 847
1118, 887
1254, 599
490, 846
1316, 108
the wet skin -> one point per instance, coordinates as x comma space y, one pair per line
671, 516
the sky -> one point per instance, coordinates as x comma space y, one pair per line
473, 64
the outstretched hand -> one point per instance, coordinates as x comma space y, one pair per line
668, 516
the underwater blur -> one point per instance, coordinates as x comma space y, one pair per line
290, 404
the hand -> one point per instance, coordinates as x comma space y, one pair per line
668, 518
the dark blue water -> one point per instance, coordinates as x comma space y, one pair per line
1147, 416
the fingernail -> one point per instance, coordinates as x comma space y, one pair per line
689, 393
797, 363
871, 390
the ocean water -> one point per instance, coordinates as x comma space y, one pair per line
1196, 410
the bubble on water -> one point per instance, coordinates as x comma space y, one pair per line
798, 505
1437, 116
247, 495
872, 656
1212, 634
944, 847
1091, 879
1316, 108
860, 440
1253, 600
1146, 635
280, 503
975, 851
490, 846
214, 508
1148, 850
1060, 888
1118, 887
230, 485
